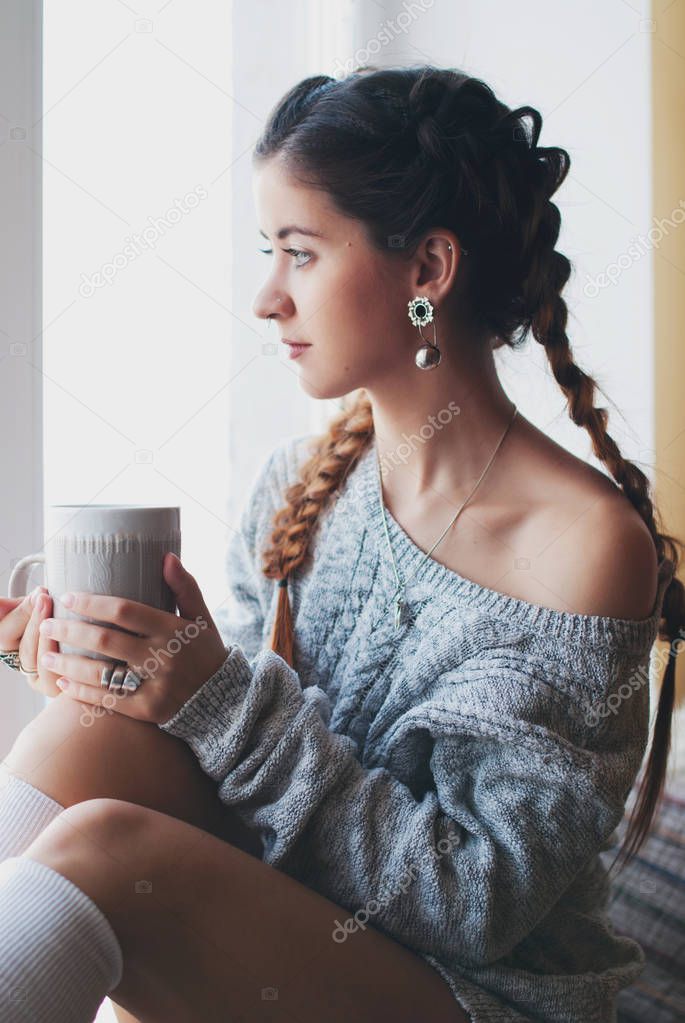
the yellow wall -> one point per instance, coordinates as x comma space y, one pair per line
668, 149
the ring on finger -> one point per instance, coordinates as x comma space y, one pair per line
106, 675
117, 680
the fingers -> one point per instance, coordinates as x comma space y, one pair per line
77, 668
46, 645
33, 645
15, 613
110, 642
8, 604
130, 615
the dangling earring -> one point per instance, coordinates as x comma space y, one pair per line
421, 313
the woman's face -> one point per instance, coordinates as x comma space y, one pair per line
336, 292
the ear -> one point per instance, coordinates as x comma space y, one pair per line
436, 264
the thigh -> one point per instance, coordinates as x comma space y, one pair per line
210, 933
72, 755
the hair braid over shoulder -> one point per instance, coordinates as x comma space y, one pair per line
294, 525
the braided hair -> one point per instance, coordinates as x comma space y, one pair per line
403, 149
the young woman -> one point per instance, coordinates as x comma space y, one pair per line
433, 611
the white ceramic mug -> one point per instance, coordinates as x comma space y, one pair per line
112, 549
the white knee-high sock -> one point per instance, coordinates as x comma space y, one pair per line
59, 956
24, 812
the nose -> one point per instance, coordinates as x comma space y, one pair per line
265, 307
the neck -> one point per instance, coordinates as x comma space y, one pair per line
436, 431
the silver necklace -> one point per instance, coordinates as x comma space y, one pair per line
401, 584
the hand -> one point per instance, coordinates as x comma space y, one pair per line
20, 618
173, 654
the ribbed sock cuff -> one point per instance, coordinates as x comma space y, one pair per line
59, 956
24, 812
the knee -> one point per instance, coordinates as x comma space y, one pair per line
71, 753
61, 719
69, 713
92, 830
94, 845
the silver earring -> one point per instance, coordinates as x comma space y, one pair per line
421, 313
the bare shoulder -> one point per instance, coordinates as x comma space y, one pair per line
622, 568
607, 563
599, 555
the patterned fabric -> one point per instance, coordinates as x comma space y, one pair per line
647, 903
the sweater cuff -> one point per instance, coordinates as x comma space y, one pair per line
217, 699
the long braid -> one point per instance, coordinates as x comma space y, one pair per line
321, 477
548, 325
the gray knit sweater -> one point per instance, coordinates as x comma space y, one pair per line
449, 782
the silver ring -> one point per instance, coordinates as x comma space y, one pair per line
26, 671
106, 675
131, 681
117, 679
11, 657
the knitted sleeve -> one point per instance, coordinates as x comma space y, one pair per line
520, 798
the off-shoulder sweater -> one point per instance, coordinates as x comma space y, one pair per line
450, 781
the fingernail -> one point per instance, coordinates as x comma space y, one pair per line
62, 683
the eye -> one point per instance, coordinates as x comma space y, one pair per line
292, 252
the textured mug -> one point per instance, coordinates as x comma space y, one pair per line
112, 549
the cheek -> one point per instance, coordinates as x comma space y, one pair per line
358, 316
359, 294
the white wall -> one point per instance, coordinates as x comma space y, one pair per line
138, 294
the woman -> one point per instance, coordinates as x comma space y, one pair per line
410, 714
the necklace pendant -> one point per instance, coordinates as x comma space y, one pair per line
398, 607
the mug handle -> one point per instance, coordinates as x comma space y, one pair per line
19, 575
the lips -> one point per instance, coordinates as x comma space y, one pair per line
296, 344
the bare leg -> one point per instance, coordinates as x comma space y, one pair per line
219, 935
122, 1015
121, 758
118, 757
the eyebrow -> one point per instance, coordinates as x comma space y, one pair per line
293, 229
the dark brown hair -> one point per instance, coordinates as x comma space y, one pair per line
401, 150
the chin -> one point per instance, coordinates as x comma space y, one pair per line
331, 387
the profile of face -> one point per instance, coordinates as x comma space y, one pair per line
333, 290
